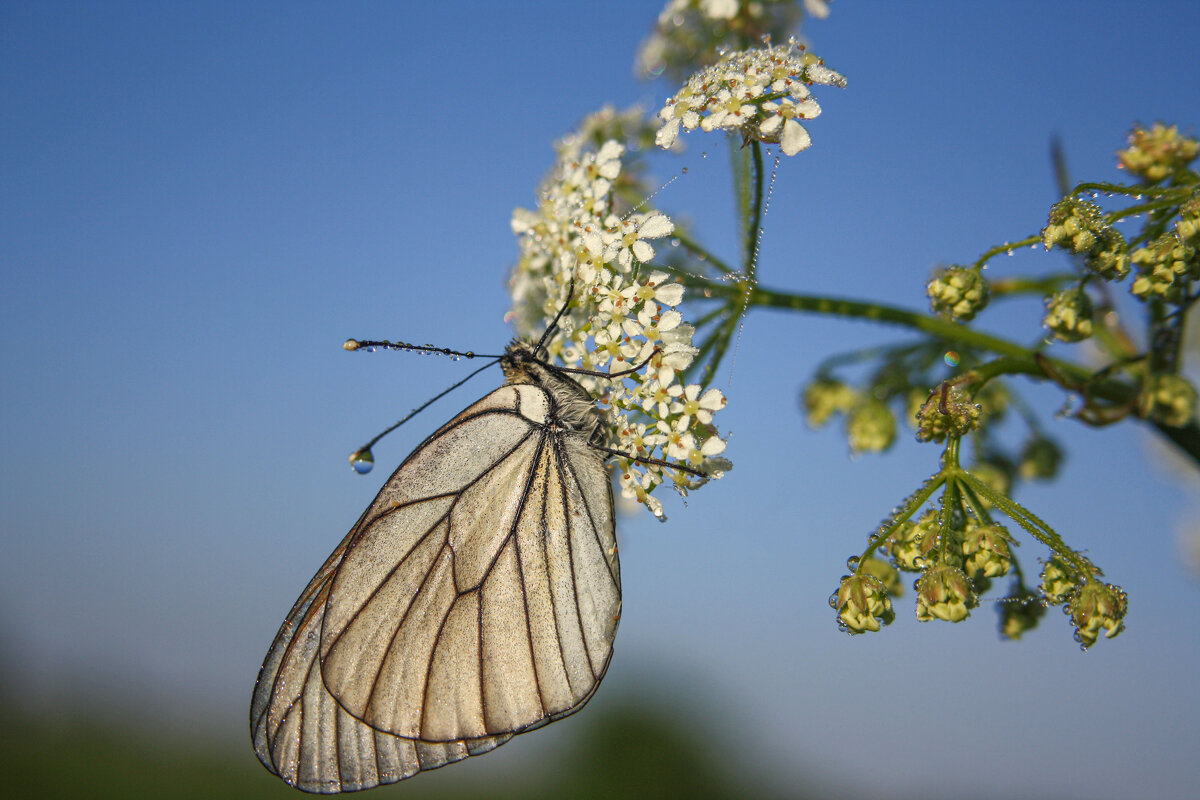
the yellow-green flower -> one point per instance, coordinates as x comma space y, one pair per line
1058, 581
1069, 314
1098, 607
1019, 612
959, 292
948, 412
944, 593
886, 573
1157, 152
871, 427
1169, 399
904, 546
987, 551
825, 397
863, 604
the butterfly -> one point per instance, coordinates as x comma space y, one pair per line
476, 598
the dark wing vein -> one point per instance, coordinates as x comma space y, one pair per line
400, 562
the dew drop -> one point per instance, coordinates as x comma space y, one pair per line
852, 563
951, 358
362, 461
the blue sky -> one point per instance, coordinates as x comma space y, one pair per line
202, 201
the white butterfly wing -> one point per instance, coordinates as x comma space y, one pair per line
477, 597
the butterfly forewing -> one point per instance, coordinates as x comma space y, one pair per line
477, 597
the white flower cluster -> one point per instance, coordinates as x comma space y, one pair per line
620, 316
762, 94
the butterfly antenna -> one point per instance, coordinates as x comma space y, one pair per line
425, 349
598, 374
656, 461
554, 322
366, 447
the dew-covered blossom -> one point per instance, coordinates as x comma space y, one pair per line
622, 313
959, 292
862, 604
944, 593
1157, 152
1098, 607
947, 413
1069, 314
761, 94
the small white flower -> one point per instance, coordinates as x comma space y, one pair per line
620, 317
758, 93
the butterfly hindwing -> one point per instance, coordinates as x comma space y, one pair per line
477, 597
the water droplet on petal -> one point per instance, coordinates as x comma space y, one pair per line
362, 461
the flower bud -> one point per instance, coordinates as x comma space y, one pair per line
943, 593
1072, 225
1157, 152
948, 412
1058, 581
1169, 399
886, 573
904, 545
987, 551
1166, 268
1098, 607
1019, 612
863, 604
959, 292
871, 427
825, 397
1069, 314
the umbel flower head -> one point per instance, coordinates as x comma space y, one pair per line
1169, 399
1078, 226
1166, 268
825, 397
959, 292
1069, 314
943, 592
1097, 607
761, 94
862, 604
1019, 612
947, 413
622, 314
1157, 152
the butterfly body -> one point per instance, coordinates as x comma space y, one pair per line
477, 597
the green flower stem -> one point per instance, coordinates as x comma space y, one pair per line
1027, 520
913, 504
975, 501
754, 220
1007, 248
1187, 438
740, 169
1019, 286
1176, 193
